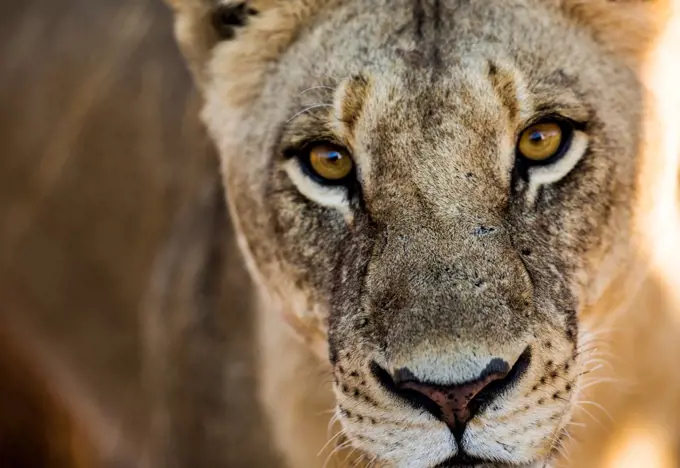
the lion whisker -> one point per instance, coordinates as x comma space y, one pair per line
597, 405
340, 433
585, 410
337, 449
316, 87
307, 109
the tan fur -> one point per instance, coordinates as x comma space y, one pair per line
629, 29
448, 266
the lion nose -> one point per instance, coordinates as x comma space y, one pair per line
457, 403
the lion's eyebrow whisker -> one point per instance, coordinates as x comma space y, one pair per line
307, 109
316, 87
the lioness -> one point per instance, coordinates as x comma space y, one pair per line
449, 201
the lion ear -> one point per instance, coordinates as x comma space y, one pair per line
201, 24
627, 27
177, 4
257, 4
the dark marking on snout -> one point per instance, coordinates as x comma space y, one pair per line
414, 58
495, 366
483, 230
424, 12
418, 19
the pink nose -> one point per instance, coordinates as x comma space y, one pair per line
454, 401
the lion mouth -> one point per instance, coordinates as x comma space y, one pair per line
465, 460
400, 385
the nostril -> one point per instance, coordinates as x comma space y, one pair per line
415, 398
455, 404
496, 388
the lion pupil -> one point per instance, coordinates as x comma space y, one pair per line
537, 137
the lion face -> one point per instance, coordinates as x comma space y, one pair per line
436, 191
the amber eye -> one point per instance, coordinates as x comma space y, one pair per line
541, 142
330, 163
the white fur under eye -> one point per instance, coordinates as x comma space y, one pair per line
332, 197
549, 174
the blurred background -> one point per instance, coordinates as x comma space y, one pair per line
100, 153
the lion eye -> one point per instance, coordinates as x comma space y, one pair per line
542, 142
329, 163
